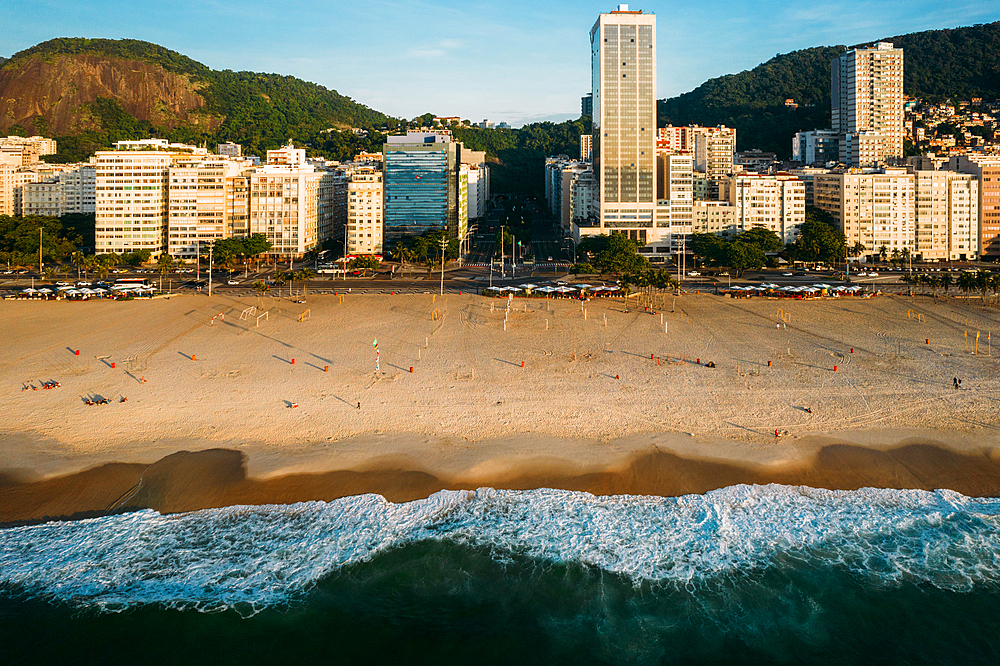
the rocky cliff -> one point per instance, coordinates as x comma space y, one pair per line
58, 91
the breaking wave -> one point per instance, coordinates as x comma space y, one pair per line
248, 558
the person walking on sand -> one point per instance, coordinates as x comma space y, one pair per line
359, 404
954, 381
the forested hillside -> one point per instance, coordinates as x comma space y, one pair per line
261, 111
939, 64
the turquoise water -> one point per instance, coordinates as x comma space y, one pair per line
749, 574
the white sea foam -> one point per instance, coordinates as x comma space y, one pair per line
254, 557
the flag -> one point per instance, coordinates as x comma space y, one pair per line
375, 343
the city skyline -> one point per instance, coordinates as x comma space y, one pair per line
534, 68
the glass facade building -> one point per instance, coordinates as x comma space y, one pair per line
417, 179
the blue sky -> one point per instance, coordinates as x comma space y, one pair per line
516, 61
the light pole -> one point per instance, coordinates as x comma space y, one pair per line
40, 252
210, 248
444, 244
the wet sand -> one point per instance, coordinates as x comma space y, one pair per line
188, 481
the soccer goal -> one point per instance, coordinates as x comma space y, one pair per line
305, 315
249, 312
264, 315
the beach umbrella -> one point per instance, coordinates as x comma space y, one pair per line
29, 290
99, 290
529, 286
73, 292
582, 286
44, 290
64, 288
494, 288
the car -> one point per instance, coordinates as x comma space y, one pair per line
873, 275
788, 274
233, 282
724, 274
64, 284
862, 274
550, 258
693, 273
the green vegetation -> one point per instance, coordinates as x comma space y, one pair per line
819, 240
235, 252
612, 254
426, 249
364, 263
940, 64
60, 238
740, 253
260, 111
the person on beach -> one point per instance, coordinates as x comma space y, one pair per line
954, 381
359, 404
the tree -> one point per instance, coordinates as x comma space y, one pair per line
856, 250
304, 275
616, 253
946, 281
765, 239
818, 242
262, 289
966, 282
280, 278
740, 256
983, 284
364, 263
709, 247
164, 265
883, 251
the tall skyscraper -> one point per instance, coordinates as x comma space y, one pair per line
623, 61
866, 90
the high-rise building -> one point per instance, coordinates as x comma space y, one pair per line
623, 66
587, 105
69, 190
674, 139
867, 105
776, 202
713, 149
586, 147
874, 209
987, 169
20, 151
229, 149
203, 203
816, 146
421, 178
131, 194
364, 211
674, 197
947, 215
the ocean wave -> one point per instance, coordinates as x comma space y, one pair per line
254, 557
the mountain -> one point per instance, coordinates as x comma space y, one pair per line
938, 64
89, 92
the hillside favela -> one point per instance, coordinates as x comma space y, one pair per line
620, 375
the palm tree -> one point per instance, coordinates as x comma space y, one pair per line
883, 251
262, 289
967, 282
305, 275
50, 273
934, 282
983, 283
946, 281
164, 265
280, 278
78, 258
895, 255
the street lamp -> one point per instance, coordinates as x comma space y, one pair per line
444, 244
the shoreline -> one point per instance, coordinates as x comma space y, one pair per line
559, 393
189, 480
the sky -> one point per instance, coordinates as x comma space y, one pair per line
516, 61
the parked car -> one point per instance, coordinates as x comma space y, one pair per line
693, 273
873, 275
233, 282
83, 284
64, 284
788, 274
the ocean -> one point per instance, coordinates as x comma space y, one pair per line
743, 575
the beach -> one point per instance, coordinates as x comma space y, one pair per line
528, 393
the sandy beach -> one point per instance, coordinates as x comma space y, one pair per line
863, 386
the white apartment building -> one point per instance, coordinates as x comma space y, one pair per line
207, 201
713, 149
867, 105
20, 151
71, 190
478, 190
290, 202
364, 211
674, 139
674, 200
623, 67
775, 202
871, 208
229, 149
586, 147
132, 194
986, 169
715, 217
947, 216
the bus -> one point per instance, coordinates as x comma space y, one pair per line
133, 282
